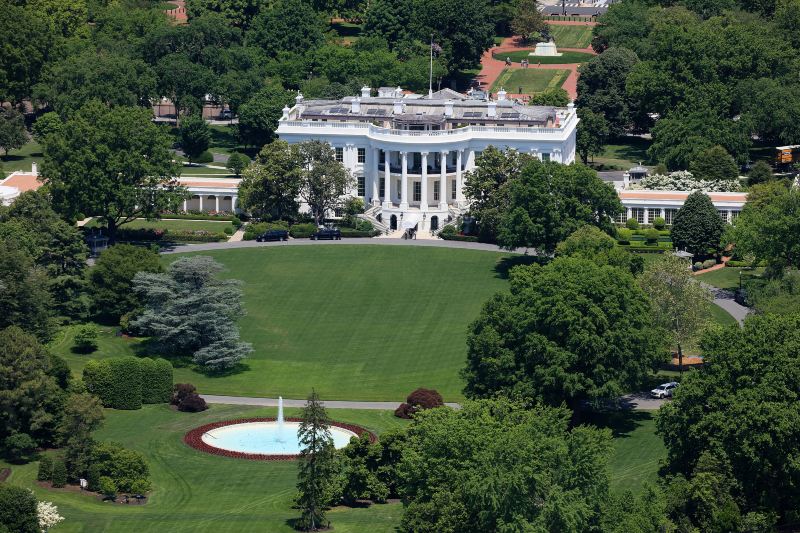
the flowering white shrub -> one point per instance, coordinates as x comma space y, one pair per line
683, 180
48, 515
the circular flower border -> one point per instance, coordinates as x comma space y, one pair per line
194, 438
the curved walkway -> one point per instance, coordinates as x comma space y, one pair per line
638, 401
440, 243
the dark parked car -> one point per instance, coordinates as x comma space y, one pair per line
332, 234
273, 235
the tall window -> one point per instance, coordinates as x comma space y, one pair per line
339, 154
669, 215
723, 214
653, 213
638, 214
453, 189
622, 217
417, 191
362, 155
399, 186
382, 188
545, 156
362, 186
436, 191
734, 216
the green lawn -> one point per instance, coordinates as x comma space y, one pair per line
637, 449
721, 316
622, 154
174, 225
529, 81
563, 59
22, 158
354, 322
198, 492
571, 36
728, 277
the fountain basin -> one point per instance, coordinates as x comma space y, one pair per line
255, 438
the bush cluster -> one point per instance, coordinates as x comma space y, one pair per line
745, 264
417, 401
354, 233
204, 157
632, 223
200, 215
20, 448
86, 338
128, 382
185, 397
458, 237
302, 231
127, 469
158, 235
254, 230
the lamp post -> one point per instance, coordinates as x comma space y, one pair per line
740, 281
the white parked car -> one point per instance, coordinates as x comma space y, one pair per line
664, 390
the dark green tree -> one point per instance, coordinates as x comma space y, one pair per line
359, 471
742, 407
271, 184
112, 279
697, 227
590, 242
184, 81
568, 332
390, 20
24, 299
240, 13
323, 179
714, 164
461, 28
237, 162
195, 136
28, 42
287, 26
554, 96
46, 124
316, 465
760, 173
18, 513
258, 117
30, 399
593, 131
12, 130
528, 21
83, 414
601, 87
115, 164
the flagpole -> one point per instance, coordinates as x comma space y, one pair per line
430, 75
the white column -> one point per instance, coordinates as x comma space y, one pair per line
424, 183
470, 160
184, 206
233, 204
459, 178
216, 203
443, 181
201, 201
387, 181
404, 181
376, 154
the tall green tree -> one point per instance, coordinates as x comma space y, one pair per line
258, 117
27, 45
697, 227
271, 184
590, 242
188, 310
184, 81
31, 401
760, 173
18, 511
323, 179
679, 304
316, 465
195, 136
12, 130
24, 300
111, 279
714, 164
240, 13
83, 414
554, 96
601, 87
115, 164
768, 227
390, 19
528, 21
568, 332
457, 473
593, 131
287, 26
742, 407
462, 28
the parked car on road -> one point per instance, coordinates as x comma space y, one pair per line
273, 235
332, 234
664, 390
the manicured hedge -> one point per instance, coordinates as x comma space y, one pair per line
198, 216
645, 249
254, 230
745, 264
351, 233
157, 235
128, 382
464, 238
302, 231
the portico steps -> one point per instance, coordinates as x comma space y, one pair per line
370, 215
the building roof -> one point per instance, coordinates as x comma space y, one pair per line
22, 181
647, 194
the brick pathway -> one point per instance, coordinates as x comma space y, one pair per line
491, 68
179, 13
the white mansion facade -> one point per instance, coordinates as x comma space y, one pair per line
409, 153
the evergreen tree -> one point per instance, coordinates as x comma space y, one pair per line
697, 227
760, 173
317, 465
195, 136
188, 310
714, 164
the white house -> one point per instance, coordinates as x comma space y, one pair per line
409, 153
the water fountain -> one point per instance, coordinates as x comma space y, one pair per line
279, 422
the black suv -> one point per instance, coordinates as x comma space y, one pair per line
273, 235
332, 234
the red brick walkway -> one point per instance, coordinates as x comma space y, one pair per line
179, 13
491, 68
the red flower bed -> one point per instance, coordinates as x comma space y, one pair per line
195, 440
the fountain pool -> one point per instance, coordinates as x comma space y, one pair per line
266, 438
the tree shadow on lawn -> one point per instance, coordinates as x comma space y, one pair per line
632, 148
504, 265
13, 158
621, 422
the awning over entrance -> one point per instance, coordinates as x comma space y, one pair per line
411, 220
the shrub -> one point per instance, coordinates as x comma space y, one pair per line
193, 403
126, 385
59, 473
20, 448
457, 237
18, 512
418, 400
45, 472
86, 338
404, 411
228, 230
127, 382
708, 263
624, 235
107, 487
180, 391
632, 223
659, 223
698, 265
156, 380
237, 162
205, 157
140, 486
254, 230
59, 369
302, 231
448, 230
745, 264
98, 379
237, 222
651, 236
125, 467
348, 233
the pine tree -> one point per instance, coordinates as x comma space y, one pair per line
317, 466
697, 227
